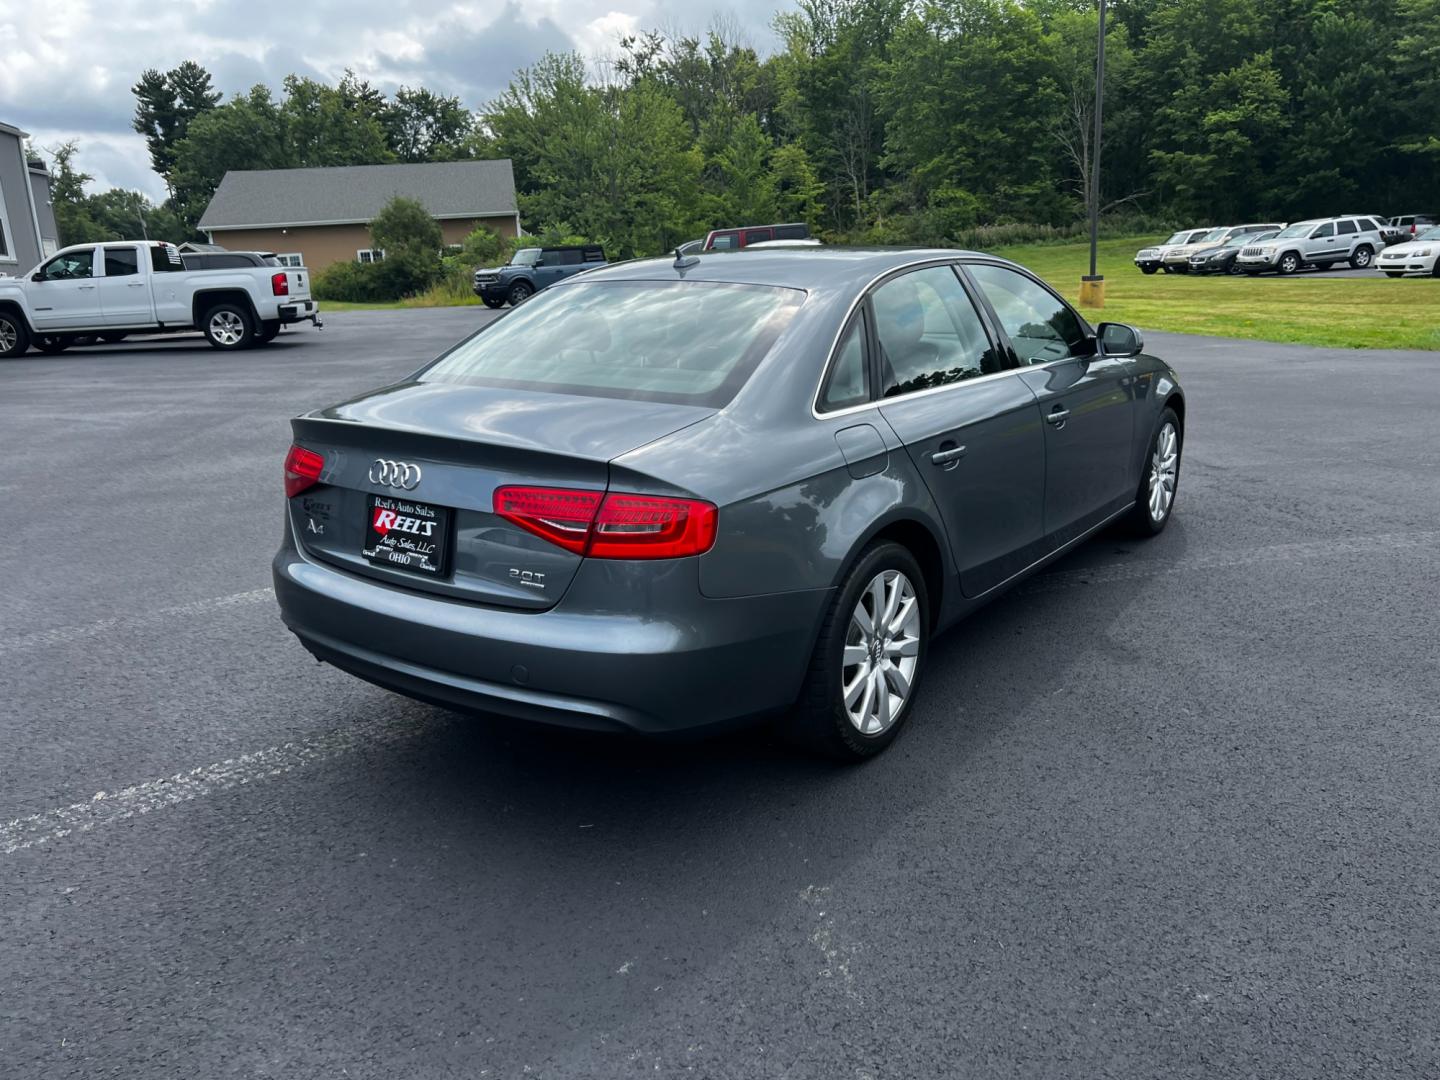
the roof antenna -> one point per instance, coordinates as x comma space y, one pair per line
685, 262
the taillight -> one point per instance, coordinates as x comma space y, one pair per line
302, 470
280, 284
614, 526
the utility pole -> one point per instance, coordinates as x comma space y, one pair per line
1092, 286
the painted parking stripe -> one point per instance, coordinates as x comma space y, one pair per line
108, 807
66, 634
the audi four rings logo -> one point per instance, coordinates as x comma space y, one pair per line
395, 474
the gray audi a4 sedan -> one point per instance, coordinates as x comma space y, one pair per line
670, 495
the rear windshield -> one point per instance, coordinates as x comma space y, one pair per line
692, 343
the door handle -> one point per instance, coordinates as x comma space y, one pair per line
1057, 415
947, 457
136, 285
87, 288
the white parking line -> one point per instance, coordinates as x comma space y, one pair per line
66, 634
106, 808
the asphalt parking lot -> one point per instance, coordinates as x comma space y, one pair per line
1169, 810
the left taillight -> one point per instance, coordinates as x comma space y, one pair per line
302, 470
617, 525
280, 284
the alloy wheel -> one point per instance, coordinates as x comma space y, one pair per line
882, 649
9, 336
227, 328
1164, 468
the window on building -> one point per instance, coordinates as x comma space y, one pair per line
7, 245
370, 255
293, 258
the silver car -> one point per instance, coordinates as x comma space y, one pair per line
673, 495
1151, 259
1319, 243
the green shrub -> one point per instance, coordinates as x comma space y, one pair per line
350, 282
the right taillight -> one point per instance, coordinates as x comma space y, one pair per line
619, 525
302, 470
280, 284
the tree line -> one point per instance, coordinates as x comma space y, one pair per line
890, 121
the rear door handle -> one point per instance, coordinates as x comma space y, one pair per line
136, 285
948, 456
1057, 416
86, 288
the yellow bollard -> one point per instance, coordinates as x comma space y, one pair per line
1092, 291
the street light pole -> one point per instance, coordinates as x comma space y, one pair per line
1092, 287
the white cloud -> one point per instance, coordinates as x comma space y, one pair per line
69, 64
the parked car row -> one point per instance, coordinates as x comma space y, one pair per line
1399, 246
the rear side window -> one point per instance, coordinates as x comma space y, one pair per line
165, 258
1041, 326
758, 236
564, 258
229, 262
1346, 228
849, 380
929, 333
692, 343
121, 262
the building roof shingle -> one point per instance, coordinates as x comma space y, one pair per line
357, 193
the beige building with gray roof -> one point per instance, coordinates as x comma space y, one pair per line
316, 217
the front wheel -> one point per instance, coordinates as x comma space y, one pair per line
1289, 263
1148, 269
869, 658
1363, 256
1155, 498
492, 304
14, 335
228, 326
520, 292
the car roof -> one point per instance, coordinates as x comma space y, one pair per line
794, 268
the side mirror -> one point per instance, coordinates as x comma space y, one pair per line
1118, 339
39, 275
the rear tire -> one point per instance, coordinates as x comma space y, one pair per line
229, 327
14, 335
1159, 479
51, 344
1363, 257
876, 668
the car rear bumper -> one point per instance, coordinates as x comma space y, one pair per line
302, 311
678, 662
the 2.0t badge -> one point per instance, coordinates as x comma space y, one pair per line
395, 474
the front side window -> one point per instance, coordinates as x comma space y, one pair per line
121, 262
1328, 229
71, 265
1041, 326
724, 242
1347, 228
692, 343
929, 332
849, 381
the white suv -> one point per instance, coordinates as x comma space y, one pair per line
1319, 242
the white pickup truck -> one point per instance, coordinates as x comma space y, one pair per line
142, 287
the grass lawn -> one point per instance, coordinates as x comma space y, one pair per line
1371, 313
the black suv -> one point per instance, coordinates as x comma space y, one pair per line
531, 269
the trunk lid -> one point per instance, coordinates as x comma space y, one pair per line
464, 442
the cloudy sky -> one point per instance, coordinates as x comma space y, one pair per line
68, 65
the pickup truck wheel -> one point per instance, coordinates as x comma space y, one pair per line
14, 335
267, 332
51, 344
520, 292
1361, 259
228, 326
